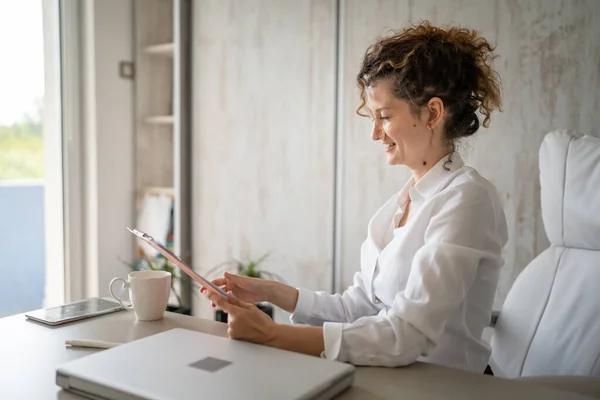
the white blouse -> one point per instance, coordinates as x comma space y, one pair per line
424, 291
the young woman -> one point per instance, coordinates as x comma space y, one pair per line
432, 256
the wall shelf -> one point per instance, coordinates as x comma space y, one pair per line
165, 49
161, 120
158, 190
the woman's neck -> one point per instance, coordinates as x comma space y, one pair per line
419, 171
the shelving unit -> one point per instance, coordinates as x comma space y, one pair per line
162, 104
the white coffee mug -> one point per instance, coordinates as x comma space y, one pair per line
148, 293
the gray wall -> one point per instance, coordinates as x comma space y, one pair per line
263, 144
549, 57
109, 140
264, 80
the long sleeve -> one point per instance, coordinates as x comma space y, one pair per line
314, 308
464, 232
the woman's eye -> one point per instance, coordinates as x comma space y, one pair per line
383, 118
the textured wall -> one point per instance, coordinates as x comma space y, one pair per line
263, 136
264, 82
110, 211
550, 66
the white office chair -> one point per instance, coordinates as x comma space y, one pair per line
549, 324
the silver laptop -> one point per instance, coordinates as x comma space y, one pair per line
181, 364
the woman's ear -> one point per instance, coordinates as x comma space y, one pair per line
435, 106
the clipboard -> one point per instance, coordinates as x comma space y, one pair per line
175, 260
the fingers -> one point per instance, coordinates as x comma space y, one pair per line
219, 281
204, 290
236, 279
231, 298
222, 282
224, 304
209, 293
219, 302
231, 305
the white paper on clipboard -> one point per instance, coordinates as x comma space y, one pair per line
175, 260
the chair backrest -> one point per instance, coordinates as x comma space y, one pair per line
550, 321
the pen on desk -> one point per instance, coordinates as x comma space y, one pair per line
94, 344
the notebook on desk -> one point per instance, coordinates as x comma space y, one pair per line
183, 364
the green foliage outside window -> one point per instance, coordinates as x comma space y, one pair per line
22, 149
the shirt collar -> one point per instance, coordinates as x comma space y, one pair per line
433, 180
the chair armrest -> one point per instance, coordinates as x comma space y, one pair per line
494, 319
584, 385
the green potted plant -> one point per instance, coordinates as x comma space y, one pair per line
251, 269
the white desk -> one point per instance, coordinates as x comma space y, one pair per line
30, 353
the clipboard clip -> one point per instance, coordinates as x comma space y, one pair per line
139, 234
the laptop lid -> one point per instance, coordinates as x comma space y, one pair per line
184, 364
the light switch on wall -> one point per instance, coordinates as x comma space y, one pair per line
126, 69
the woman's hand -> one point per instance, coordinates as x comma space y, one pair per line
246, 289
254, 290
245, 321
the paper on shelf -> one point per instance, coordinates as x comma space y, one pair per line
154, 218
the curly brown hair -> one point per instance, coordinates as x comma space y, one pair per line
424, 62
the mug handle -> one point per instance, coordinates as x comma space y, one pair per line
125, 286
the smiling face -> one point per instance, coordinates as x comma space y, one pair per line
405, 137
425, 87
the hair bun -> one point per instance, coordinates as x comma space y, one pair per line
457, 69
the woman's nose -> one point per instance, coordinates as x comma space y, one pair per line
376, 132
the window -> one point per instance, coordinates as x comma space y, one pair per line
30, 157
